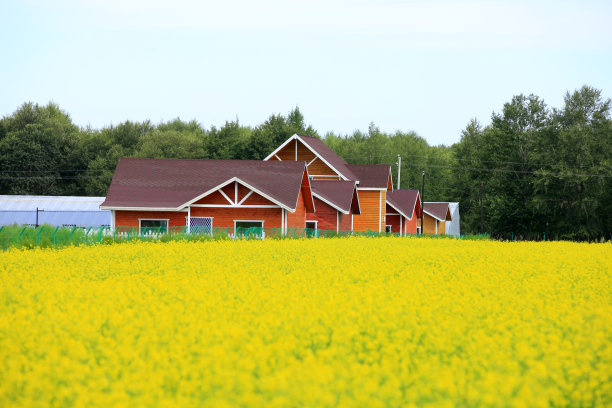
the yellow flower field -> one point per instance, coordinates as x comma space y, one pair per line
338, 322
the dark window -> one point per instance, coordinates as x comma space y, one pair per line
153, 225
249, 224
249, 228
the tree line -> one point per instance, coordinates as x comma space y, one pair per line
531, 170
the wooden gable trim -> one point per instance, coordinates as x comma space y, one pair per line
297, 137
232, 180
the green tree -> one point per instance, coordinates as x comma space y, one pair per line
38, 151
105, 147
274, 131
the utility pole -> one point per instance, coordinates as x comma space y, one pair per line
481, 208
423, 202
399, 170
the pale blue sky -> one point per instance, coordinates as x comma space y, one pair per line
427, 66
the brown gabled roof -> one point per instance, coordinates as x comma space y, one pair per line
341, 195
440, 211
403, 201
371, 175
173, 183
328, 155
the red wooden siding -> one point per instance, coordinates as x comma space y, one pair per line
345, 222
214, 198
256, 199
411, 225
394, 221
242, 191
130, 218
297, 219
325, 215
224, 217
230, 190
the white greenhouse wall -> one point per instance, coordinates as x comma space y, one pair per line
53, 210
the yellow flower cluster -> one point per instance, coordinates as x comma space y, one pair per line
336, 322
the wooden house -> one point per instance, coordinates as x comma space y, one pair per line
170, 193
372, 180
335, 203
403, 210
435, 216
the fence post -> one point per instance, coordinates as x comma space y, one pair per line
87, 235
100, 234
21, 233
129, 231
54, 234
38, 235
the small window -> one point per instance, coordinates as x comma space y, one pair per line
418, 230
387, 228
311, 229
249, 228
153, 226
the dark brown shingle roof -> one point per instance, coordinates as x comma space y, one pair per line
441, 211
371, 175
172, 183
340, 194
404, 201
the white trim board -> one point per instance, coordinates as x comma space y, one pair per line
233, 206
143, 209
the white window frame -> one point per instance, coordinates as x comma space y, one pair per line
316, 228
263, 234
153, 219
316, 223
390, 228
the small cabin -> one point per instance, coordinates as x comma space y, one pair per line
435, 216
403, 210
